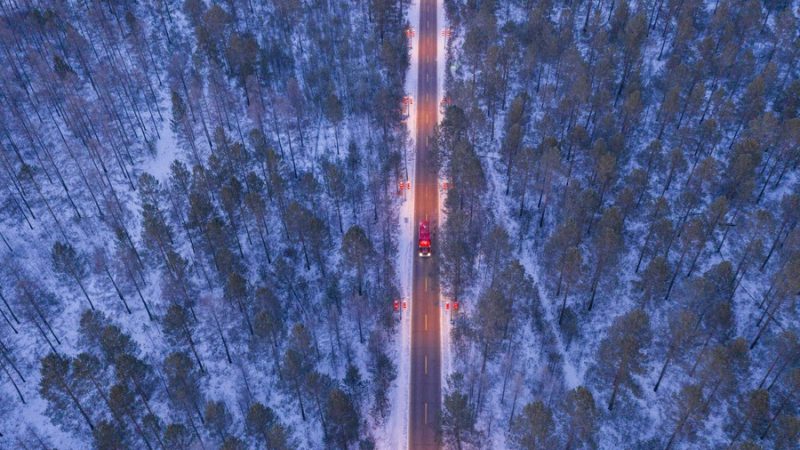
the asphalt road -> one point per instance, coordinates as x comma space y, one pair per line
426, 388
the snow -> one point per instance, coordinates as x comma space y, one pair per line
29, 255
441, 63
166, 153
397, 424
441, 54
576, 360
395, 435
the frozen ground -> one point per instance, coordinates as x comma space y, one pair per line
396, 436
167, 150
395, 433
441, 65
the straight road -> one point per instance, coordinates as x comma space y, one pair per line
426, 388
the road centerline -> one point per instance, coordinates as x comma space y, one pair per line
425, 380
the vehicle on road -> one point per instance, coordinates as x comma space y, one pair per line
424, 239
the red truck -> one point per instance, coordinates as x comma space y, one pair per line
424, 239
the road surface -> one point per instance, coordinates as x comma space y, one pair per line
426, 389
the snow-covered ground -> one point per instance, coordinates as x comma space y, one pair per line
441, 65
167, 151
551, 360
25, 253
395, 434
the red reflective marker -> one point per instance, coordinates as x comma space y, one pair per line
405, 305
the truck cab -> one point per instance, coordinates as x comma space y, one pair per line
424, 239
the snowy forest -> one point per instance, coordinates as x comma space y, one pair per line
622, 224
197, 222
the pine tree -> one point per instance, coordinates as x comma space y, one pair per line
58, 386
262, 423
682, 332
177, 436
356, 252
108, 436
383, 372
750, 415
458, 415
68, 262
182, 381
621, 356
343, 418
179, 329
218, 419
298, 363
689, 411
534, 428
581, 413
